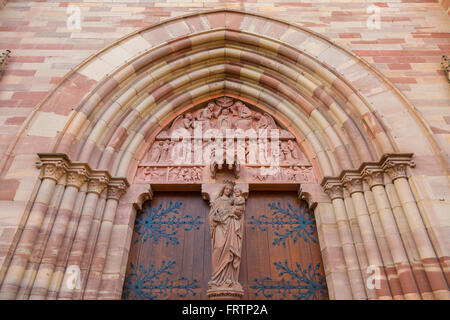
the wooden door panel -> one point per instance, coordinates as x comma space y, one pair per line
170, 256
290, 262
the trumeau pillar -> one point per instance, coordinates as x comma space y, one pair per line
224, 283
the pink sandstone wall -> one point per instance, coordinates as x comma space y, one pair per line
407, 48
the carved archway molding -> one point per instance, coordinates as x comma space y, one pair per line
343, 114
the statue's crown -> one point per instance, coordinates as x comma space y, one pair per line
230, 182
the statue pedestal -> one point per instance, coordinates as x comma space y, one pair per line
225, 292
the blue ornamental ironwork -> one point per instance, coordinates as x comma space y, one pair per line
293, 222
151, 284
304, 284
157, 223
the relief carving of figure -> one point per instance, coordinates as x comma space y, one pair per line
208, 115
244, 114
165, 151
155, 154
184, 122
225, 121
286, 152
226, 229
264, 121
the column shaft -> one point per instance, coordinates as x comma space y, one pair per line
101, 250
25, 245
47, 266
79, 245
64, 251
41, 240
350, 255
430, 262
409, 244
385, 253
406, 277
370, 243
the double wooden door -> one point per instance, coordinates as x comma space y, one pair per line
170, 256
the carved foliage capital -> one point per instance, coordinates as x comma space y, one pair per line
397, 168
97, 184
373, 176
115, 191
353, 183
76, 177
334, 190
53, 169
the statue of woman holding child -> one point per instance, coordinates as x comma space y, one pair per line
226, 227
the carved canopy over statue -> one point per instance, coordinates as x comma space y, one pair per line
197, 145
226, 221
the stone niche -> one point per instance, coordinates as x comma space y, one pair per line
225, 139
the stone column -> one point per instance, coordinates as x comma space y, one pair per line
75, 178
66, 245
396, 169
52, 170
41, 240
359, 245
353, 183
116, 260
386, 257
408, 242
96, 185
115, 191
335, 192
374, 178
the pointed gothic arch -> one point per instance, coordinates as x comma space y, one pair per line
372, 204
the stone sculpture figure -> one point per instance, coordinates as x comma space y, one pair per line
226, 229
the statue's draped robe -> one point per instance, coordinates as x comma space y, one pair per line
226, 236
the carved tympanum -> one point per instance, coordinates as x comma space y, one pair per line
226, 136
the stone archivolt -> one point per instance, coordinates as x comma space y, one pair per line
265, 63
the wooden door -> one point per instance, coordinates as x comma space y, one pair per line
170, 256
282, 249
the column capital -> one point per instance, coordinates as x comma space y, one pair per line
77, 175
116, 188
352, 182
395, 165
334, 189
53, 166
373, 175
98, 182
